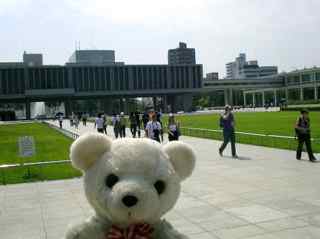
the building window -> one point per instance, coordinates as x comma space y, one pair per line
140, 79
306, 78
172, 77
135, 77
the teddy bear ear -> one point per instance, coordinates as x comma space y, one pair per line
182, 158
85, 150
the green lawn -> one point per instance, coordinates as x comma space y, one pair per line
272, 123
50, 146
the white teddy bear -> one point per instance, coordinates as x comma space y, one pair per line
131, 184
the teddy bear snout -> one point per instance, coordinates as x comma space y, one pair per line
129, 200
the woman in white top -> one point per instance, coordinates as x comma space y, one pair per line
173, 128
76, 121
153, 128
99, 122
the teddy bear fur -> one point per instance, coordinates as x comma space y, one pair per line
141, 168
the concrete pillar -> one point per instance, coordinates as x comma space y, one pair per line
126, 105
231, 100
187, 102
172, 103
164, 104
316, 92
253, 99
275, 98
226, 97
301, 88
67, 108
244, 99
107, 106
28, 110
263, 99
154, 101
301, 93
121, 105
287, 94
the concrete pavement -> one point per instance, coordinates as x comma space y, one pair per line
267, 194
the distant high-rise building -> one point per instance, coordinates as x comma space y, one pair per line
242, 69
182, 55
94, 57
31, 59
212, 76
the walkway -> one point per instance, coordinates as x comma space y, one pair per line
265, 195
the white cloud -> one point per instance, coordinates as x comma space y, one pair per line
13, 7
144, 12
280, 32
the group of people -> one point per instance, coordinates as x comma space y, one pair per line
75, 119
302, 130
150, 122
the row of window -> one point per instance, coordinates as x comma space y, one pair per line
48, 78
136, 78
305, 78
13, 81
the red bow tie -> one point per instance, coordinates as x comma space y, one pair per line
135, 231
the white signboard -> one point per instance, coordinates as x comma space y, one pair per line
26, 146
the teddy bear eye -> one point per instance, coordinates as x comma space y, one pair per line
160, 186
111, 180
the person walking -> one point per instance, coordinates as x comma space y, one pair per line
71, 119
153, 128
76, 121
123, 124
133, 124
116, 125
145, 119
84, 119
60, 118
138, 123
105, 123
173, 128
99, 123
303, 134
159, 115
227, 122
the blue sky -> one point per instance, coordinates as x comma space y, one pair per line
275, 32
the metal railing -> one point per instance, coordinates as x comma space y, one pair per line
27, 169
67, 133
269, 140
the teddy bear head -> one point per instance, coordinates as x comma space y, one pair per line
129, 180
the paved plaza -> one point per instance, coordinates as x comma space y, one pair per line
267, 194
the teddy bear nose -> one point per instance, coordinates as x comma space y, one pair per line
129, 200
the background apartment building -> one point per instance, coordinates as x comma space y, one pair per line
242, 69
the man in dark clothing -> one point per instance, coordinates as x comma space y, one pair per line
123, 124
303, 133
138, 123
105, 123
133, 124
227, 123
158, 116
84, 119
145, 119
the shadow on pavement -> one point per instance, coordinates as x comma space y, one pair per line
239, 158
